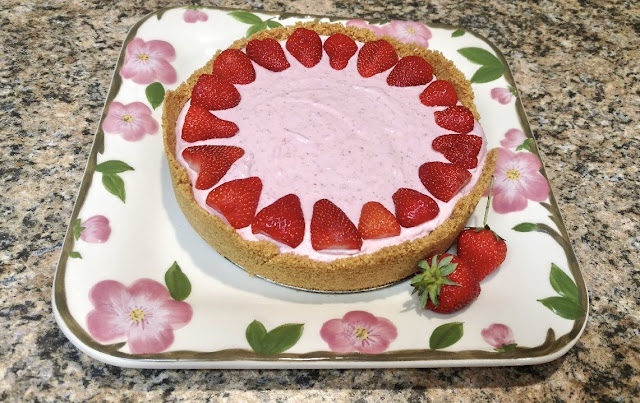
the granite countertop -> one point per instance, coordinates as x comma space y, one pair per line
577, 66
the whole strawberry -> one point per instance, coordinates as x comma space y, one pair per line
482, 248
447, 283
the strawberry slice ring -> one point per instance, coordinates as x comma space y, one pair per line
325, 132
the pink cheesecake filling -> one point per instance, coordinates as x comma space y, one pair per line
322, 133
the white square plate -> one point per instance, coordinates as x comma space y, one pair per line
209, 329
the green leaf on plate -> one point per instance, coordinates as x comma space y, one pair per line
177, 282
526, 145
446, 335
256, 28
75, 255
458, 32
486, 74
505, 348
77, 229
255, 334
564, 307
276, 341
113, 167
273, 24
155, 94
245, 17
513, 91
526, 227
563, 284
282, 338
114, 185
480, 56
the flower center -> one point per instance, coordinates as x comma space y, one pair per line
143, 57
513, 174
411, 30
361, 333
128, 118
137, 315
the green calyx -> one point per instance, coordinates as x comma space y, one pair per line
428, 284
486, 227
77, 229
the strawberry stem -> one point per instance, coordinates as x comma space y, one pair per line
486, 209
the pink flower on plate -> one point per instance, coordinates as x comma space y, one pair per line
363, 24
517, 180
502, 95
194, 15
95, 229
131, 121
359, 331
499, 336
146, 62
513, 138
408, 32
143, 314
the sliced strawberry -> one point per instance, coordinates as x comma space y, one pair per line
235, 66
340, 49
306, 46
282, 220
443, 180
439, 93
377, 222
214, 93
375, 57
414, 208
332, 229
211, 162
200, 124
410, 71
237, 200
461, 149
455, 118
267, 53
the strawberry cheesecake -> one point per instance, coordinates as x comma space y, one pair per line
325, 158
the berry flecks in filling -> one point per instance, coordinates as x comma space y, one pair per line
322, 133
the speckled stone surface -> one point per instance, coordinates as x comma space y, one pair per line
577, 66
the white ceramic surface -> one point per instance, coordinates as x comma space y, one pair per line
148, 233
